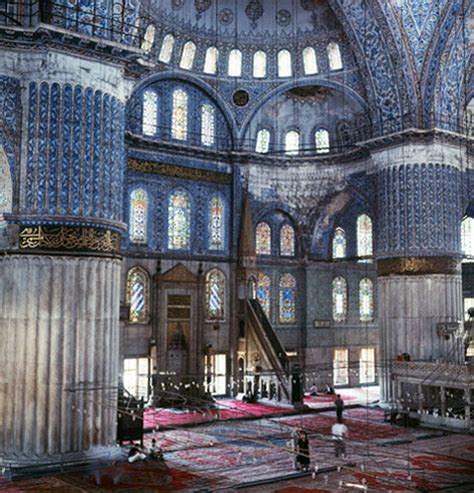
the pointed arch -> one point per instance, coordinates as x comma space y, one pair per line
364, 236
149, 112
6, 186
287, 240
366, 300
339, 244
215, 295
179, 117
138, 294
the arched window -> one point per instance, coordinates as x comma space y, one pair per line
344, 134
292, 142
259, 64
287, 241
334, 56
263, 239
263, 141
166, 49
5, 184
179, 119
339, 299
310, 63
339, 244
284, 63
215, 295
321, 139
150, 112
467, 236
235, 63
187, 57
148, 38
216, 224
210, 62
138, 216
287, 299
364, 236
137, 295
366, 300
264, 292
207, 125
179, 221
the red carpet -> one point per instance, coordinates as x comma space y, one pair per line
319, 423
231, 409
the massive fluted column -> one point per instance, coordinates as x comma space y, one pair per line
60, 265
418, 252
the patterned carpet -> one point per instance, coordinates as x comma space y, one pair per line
228, 409
218, 455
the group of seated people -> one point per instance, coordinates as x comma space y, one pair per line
137, 453
313, 391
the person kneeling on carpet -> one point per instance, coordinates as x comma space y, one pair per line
155, 452
135, 454
313, 390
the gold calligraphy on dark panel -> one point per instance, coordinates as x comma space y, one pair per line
68, 238
175, 171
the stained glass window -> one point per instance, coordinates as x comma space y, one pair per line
292, 142
287, 299
259, 64
364, 236
263, 141
148, 38
263, 239
187, 57
179, 124
235, 63
150, 112
339, 299
321, 138
339, 244
467, 236
287, 241
334, 56
166, 49
367, 365
216, 224
210, 62
341, 366
215, 295
207, 125
179, 221
310, 64
366, 300
264, 292
138, 216
284, 63
137, 294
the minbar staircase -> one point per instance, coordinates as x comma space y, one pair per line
272, 346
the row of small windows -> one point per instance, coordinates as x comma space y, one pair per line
364, 239
292, 141
179, 117
263, 239
179, 220
138, 288
234, 63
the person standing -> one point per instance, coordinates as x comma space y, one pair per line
295, 434
339, 433
339, 403
302, 456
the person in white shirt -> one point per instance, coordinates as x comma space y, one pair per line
339, 432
